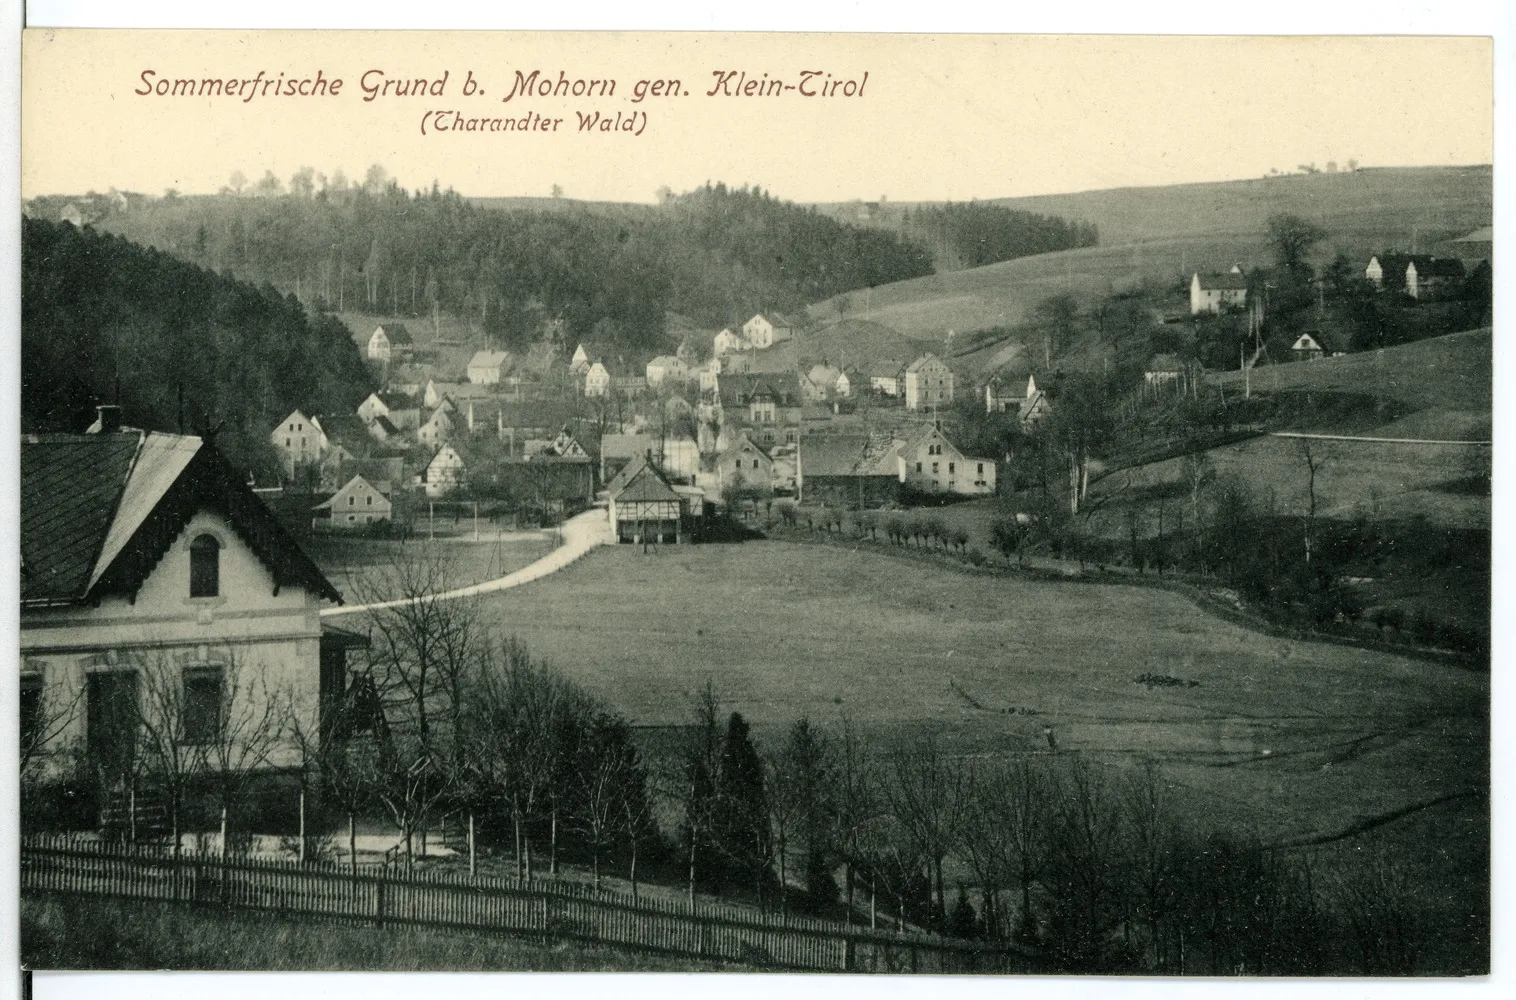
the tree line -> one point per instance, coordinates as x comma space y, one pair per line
715, 255
104, 320
971, 234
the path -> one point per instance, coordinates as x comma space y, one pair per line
581, 533
1374, 440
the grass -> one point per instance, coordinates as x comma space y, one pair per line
355, 565
1448, 373
63, 932
786, 630
1164, 232
1283, 738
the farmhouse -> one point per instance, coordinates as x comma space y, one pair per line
745, 464
403, 411
821, 383
488, 367
886, 377
764, 331
444, 474
1313, 345
439, 426
352, 508
1213, 293
390, 341
727, 342
299, 440
644, 506
848, 470
1417, 275
597, 380
930, 463
153, 581
665, 368
928, 383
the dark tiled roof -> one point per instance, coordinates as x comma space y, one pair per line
1225, 281
645, 484
100, 510
396, 332
71, 485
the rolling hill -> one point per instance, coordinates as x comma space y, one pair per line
1162, 234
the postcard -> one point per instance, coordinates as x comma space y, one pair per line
667, 502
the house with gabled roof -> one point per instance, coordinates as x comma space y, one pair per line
929, 463
644, 507
438, 428
597, 380
856, 471
765, 330
666, 368
299, 440
149, 566
928, 383
1313, 345
390, 342
444, 473
489, 367
356, 505
1418, 275
1215, 292
728, 342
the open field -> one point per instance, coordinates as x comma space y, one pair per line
1164, 233
784, 631
354, 564
1452, 372
68, 932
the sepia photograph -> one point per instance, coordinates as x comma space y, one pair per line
964, 504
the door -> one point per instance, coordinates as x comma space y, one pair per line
111, 724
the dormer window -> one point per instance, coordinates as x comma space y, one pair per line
205, 567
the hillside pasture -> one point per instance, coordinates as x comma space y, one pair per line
363, 567
1163, 234
1289, 738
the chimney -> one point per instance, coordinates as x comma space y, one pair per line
107, 419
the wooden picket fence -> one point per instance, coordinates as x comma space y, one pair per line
548, 911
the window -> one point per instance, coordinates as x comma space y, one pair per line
755, 463
950, 466
934, 468
352, 501
31, 709
286, 442
918, 466
981, 468
368, 500
205, 567
202, 704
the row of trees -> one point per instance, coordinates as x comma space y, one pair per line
1103, 873
971, 234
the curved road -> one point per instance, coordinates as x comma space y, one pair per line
581, 533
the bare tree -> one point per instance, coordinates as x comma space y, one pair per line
247, 732
1313, 463
926, 795
172, 762
46, 715
856, 804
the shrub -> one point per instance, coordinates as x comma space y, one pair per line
975, 557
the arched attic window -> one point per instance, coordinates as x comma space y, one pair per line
205, 567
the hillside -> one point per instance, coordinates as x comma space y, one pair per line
103, 319
1163, 234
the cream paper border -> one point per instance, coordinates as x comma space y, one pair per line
1287, 18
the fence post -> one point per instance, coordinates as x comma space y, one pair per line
302, 822
473, 862
849, 957
378, 902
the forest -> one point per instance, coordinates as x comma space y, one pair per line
178, 346
971, 234
715, 255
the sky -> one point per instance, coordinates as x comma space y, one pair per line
939, 116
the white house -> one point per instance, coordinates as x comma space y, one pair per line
727, 342
299, 440
438, 428
488, 367
928, 383
886, 377
1313, 345
155, 583
403, 411
389, 341
1211, 293
444, 473
666, 368
930, 463
820, 383
709, 375
764, 331
597, 380
353, 507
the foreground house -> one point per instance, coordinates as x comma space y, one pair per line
1212, 293
153, 581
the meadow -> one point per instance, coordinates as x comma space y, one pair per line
1165, 233
354, 565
